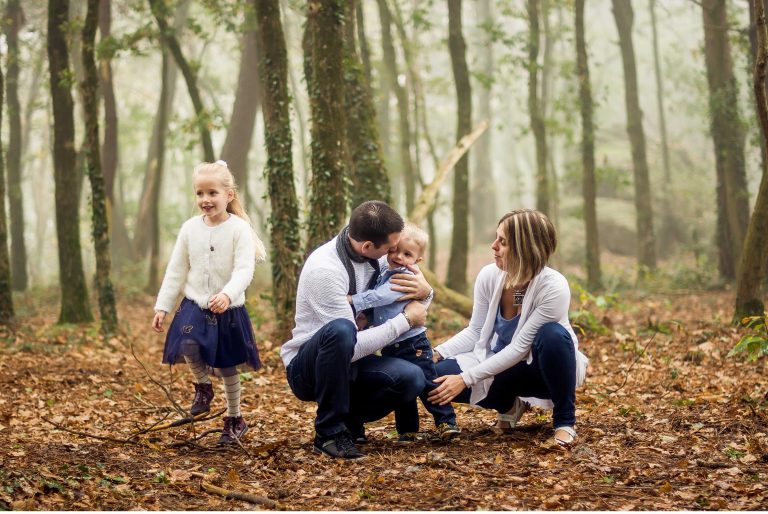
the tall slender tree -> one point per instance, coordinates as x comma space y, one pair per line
74, 294
457, 265
90, 94
14, 17
646, 241
751, 275
534, 108
243, 120
284, 215
369, 176
324, 35
589, 188
168, 35
728, 136
6, 296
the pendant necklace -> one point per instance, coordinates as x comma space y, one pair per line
517, 299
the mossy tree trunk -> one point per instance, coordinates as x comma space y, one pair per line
90, 94
457, 265
168, 35
589, 186
535, 113
749, 287
13, 20
728, 136
74, 294
284, 216
325, 81
6, 296
369, 176
646, 241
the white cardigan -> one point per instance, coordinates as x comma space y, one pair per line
547, 300
209, 260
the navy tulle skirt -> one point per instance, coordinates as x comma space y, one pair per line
224, 340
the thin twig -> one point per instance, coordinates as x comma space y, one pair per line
196, 438
184, 421
167, 392
83, 434
626, 374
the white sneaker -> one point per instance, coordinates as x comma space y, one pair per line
509, 419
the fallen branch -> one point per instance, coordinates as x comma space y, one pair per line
712, 465
130, 440
167, 392
448, 298
237, 495
205, 416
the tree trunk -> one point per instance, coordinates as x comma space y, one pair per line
548, 76
90, 94
751, 64
484, 215
369, 177
159, 11
324, 33
749, 290
74, 294
534, 108
6, 295
646, 242
241, 124
142, 239
589, 187
365, 52
457, 265
14, 19
728, 136
120, 240
401, 93
284, 215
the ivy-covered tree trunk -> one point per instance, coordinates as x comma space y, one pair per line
403, 106
90, 94
120, 241
6, 296
243, 120
13, 20
142, 239
369, 176
168, 35
284, 216
646, 241
457, 265
589, 187
534, 108
749, 286
728, 136
74, 294
328, 205
365, 52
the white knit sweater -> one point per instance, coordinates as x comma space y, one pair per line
321, 297
209, 260
546, 300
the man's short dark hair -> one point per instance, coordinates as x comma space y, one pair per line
374, 221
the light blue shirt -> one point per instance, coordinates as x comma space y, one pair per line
505, 329
383, 300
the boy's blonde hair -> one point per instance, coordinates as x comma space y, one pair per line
220, 171
531, 239
411, 231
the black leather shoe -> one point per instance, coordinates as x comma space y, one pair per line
338, 446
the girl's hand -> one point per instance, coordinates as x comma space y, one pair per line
449, 388
436, 357
414, 286
157, 321
218, 303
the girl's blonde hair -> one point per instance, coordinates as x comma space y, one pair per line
531, 239
220, 171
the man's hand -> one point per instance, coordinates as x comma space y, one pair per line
417, 313
414, 286
449, 388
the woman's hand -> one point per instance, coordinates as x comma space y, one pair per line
414, 286
449, 388
219, 303
157, 321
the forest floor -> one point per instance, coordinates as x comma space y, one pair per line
665, 421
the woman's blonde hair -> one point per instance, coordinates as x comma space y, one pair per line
220, 171
531, 239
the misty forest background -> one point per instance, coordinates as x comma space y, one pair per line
633, 125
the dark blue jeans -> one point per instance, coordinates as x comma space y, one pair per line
551, 375
418, 350
349, 394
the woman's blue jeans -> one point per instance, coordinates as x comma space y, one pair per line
551, 375
349, 394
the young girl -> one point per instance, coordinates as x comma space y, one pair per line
212, 263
